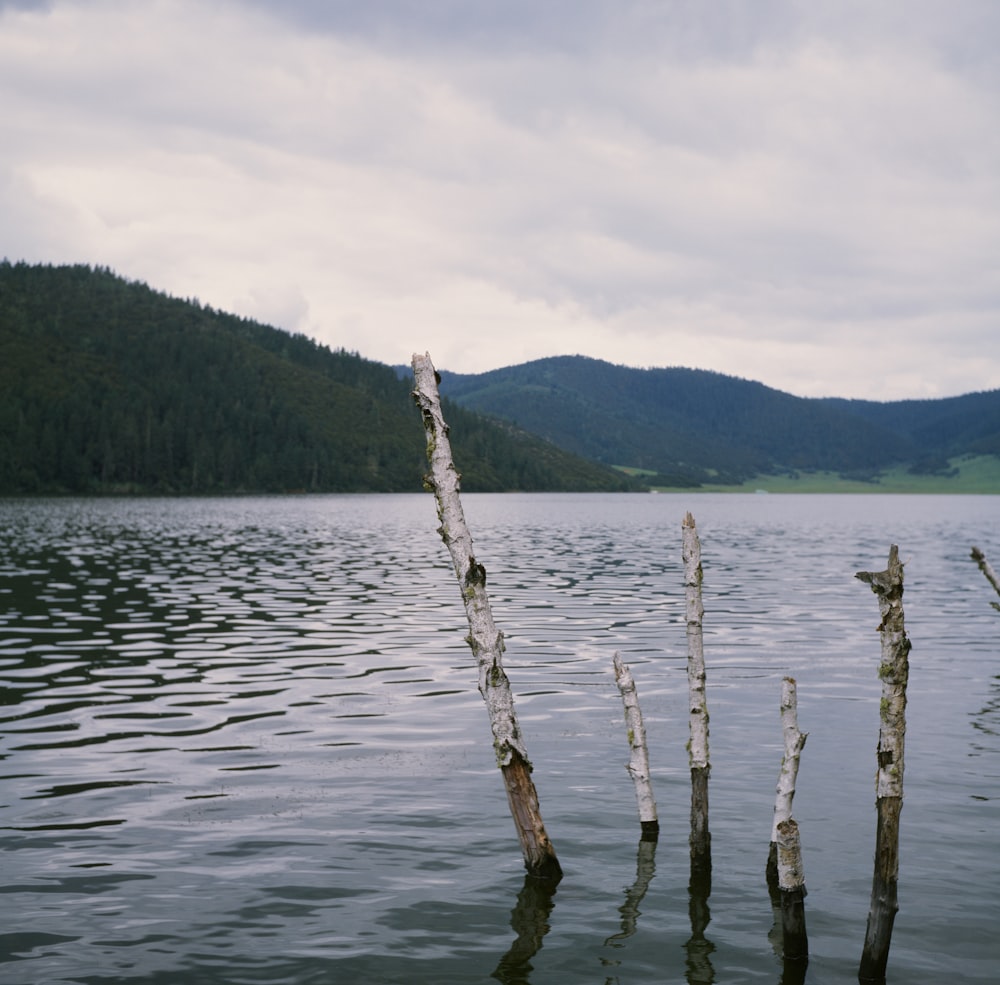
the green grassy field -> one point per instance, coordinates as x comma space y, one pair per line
978, 474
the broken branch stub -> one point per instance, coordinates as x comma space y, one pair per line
987, 569
484, 639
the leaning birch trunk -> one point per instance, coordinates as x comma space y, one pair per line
785, 790
484, 638
792, 886
700, 840
987, 569
894, 671
638, 764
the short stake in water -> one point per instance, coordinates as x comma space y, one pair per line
701, 839
638, 764
484, 638
792, 886
785, 790
893, 671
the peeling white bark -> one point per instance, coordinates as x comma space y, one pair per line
790, 872
485, 640
698, 720
638, 764
700, 838
894, 672
794, 742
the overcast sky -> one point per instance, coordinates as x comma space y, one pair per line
801, 193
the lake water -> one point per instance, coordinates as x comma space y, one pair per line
241, 739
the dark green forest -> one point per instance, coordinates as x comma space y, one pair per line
692, 426
108, 386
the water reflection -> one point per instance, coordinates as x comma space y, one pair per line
987, 720
793, 973
793, 969
699, 948
530, 922
629, 910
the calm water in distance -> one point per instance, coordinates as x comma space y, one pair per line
241, 740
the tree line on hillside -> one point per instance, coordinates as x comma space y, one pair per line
698, 426
109, 386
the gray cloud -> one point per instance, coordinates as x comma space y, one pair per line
802, 193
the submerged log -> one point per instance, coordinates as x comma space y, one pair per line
785, 790
485, 640
987, 569
700, 839
638, 764
894, 672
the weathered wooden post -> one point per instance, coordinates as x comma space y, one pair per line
485, 640
987, 569
701, 839
638, 764
785, 790
893, 671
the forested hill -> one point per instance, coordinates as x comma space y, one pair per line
109, 386
692, 426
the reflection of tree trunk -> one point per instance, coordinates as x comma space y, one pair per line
530, 921
699, 948
894, 672
793, 973
484, 638
645, 869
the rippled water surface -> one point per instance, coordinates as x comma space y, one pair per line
241, 739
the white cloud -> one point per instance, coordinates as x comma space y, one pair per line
809, 196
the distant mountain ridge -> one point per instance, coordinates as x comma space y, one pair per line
109, 386
694, 426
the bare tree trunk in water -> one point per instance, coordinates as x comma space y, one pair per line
701, 839
893, 671
785, 791
638, 764
484, 638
